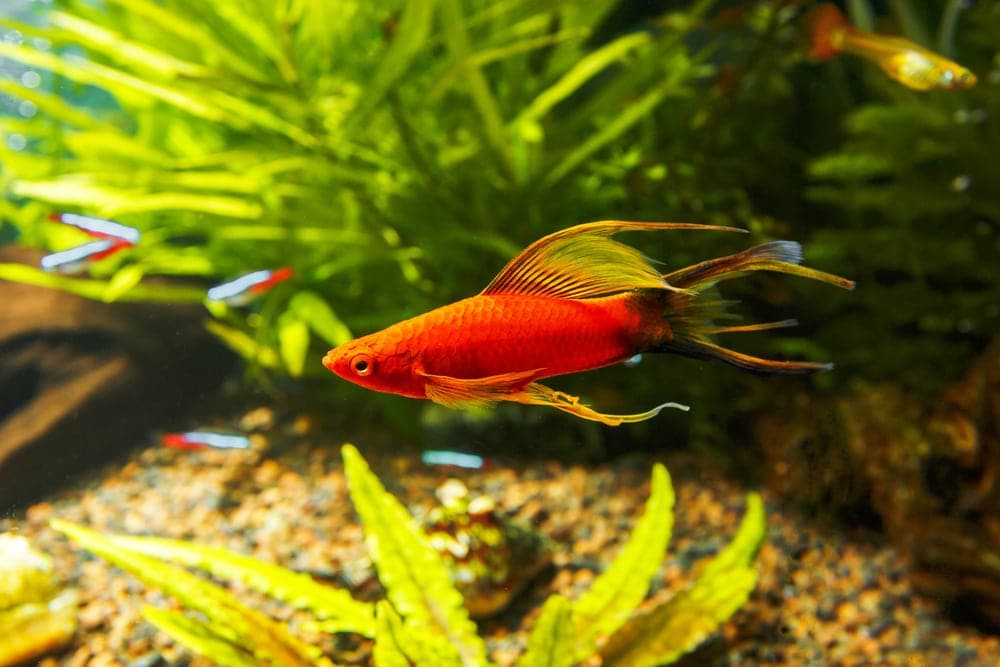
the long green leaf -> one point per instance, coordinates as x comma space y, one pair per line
416, 580
83, 190
269, 641
313, 310
95, 37
457, 39
397, 643
550, 643
244, 345
96, 289
677, 626
185, 27
199, 638
293, 342
619, 590
579, 75
52, 107
631, 115
408, 40
206, 103
389, 640
333, 605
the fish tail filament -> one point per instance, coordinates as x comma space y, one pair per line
693, 312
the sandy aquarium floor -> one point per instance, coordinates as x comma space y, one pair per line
824, 597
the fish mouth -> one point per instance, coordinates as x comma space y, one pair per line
328, 360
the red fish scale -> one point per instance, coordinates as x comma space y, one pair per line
493, 334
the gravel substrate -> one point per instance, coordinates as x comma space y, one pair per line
824, 598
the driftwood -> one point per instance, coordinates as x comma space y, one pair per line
81, 381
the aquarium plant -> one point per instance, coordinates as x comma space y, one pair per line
422, 620
394, 155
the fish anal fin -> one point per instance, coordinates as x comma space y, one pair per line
538, 394
461, 393
585, 262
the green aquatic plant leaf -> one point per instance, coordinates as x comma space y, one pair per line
293, 342
617, 592
123, 281
390, 639
416, 579
423, 621
314, 311
407, 42
550, 643
231, 620
396, 643
99, 38
96, 289
582, 71
457, 40
338, 611
244, 345
200, 638
665, 633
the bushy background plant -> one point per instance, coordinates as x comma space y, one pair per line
395, 154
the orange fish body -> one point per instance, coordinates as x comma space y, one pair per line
573, 301
488, 335
830, 34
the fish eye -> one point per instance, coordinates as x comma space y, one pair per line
363, 364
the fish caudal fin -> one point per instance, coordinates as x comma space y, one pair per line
693, 311
824, 27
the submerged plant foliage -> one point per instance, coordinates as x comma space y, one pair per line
423, 620
395, 154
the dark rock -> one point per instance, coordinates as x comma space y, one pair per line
80, 380
929, 474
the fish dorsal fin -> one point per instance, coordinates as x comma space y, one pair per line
584, 262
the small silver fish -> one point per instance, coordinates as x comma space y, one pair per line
241, 291
98, 227
76, 260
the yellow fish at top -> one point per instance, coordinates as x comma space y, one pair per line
830, 34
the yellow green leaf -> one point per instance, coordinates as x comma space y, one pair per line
340, 612
619, 590
416, 579
236, 623
124, 280
244, 345
550, 643
313, 310
293, 342
199, 638
677, 626
95, 289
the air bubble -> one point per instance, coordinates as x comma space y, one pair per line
27, 108
31, 79
961, 183
16, 142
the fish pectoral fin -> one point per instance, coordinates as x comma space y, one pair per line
539, 394
459, 393
584, 262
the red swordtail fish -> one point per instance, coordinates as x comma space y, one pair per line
572, 301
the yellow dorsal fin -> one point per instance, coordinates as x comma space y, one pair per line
584, 262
